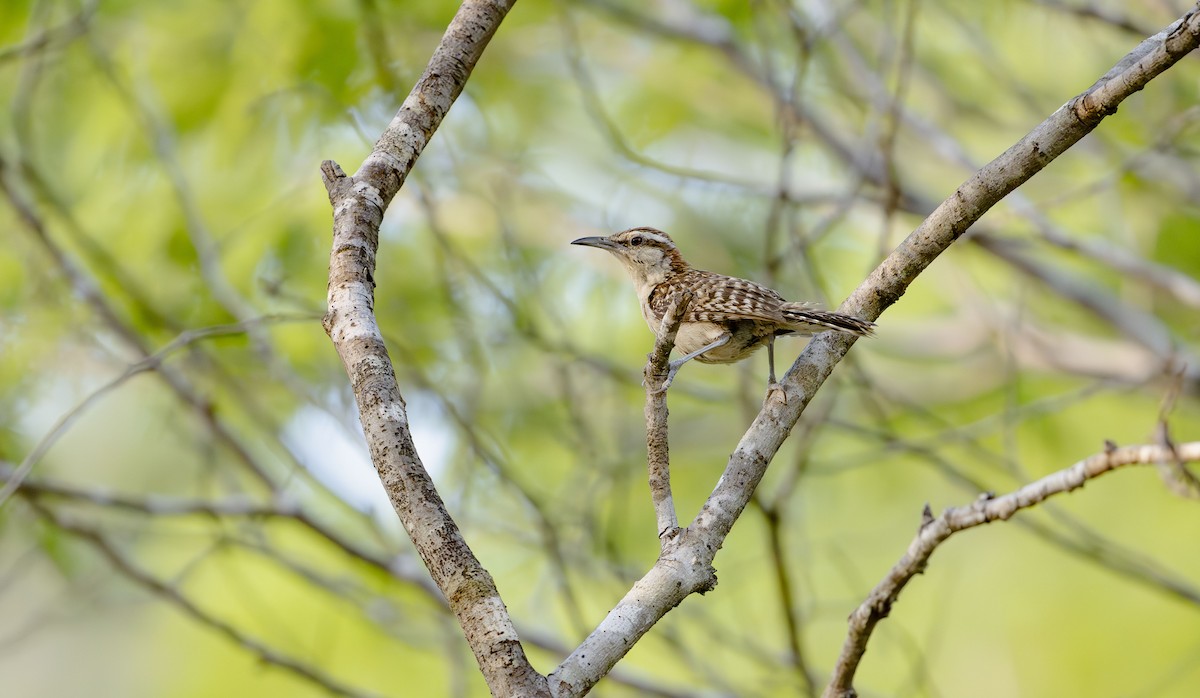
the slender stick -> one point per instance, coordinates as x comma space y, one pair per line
933, 532
658, 460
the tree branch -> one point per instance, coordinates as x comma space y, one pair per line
358, 205
658, 459
933, 532
686, 565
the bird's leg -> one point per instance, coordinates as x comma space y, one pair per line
772, 386
673, 367
771, 360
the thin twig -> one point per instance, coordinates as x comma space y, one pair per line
933, 532
150, 363
787, 598
154, 505
658, 460
173, 596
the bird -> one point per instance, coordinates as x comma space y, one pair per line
728, 318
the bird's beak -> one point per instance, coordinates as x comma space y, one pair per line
602, 243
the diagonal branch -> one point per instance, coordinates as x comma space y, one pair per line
933, 532
359, 202
888, 282
686, 566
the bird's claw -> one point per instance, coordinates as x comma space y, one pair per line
672, 369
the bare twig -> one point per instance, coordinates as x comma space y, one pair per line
1173, 471
1094, 11
149, 363
1142, 328
986, 509
88, 288
1154, 274
658, 460
52, 37
403, 569
153, 505
174, 597
787, 599
677, 574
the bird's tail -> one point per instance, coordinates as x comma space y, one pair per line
807, 320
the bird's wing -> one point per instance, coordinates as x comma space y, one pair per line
719, 298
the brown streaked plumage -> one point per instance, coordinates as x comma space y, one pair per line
729, 318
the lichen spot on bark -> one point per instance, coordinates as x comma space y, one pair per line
392, 412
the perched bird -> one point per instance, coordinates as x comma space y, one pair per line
729, 318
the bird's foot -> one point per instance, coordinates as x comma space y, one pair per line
775, 390
672, 369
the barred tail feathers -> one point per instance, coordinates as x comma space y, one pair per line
809, 319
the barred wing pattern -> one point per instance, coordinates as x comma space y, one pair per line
719, 298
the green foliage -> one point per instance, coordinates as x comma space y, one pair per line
1177, 243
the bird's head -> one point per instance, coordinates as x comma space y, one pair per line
649, 254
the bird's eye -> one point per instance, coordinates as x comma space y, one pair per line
636, 240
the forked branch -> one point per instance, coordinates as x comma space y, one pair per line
359, 202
